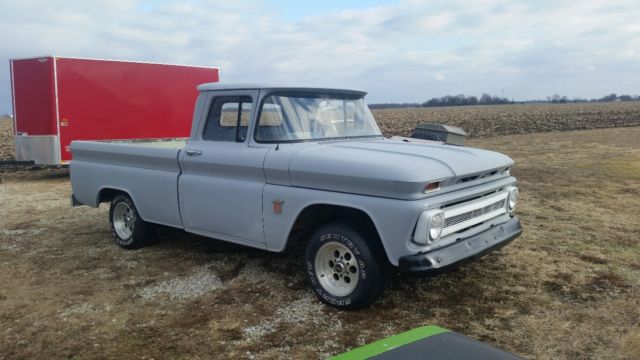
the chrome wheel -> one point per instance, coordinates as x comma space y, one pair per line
336, 269
123, 220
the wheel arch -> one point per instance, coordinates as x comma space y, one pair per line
315, 215
107, 193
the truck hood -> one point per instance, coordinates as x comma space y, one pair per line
395, 168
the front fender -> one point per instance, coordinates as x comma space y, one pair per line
394, 219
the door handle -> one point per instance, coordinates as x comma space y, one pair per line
193, 152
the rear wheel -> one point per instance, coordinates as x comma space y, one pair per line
345, 269
127, 228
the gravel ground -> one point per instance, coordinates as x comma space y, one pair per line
199, 283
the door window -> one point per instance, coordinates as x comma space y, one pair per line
228, 119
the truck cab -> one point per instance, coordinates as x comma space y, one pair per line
266, 166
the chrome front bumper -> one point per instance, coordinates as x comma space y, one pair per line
463, 250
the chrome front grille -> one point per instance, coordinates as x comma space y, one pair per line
457, 219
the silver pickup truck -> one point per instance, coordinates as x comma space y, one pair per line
268, 166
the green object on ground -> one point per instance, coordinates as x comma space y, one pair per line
380, 346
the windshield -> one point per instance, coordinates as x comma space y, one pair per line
314, 117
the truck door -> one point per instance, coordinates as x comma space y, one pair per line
222, 177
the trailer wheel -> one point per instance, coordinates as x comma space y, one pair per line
344, 269
127, 228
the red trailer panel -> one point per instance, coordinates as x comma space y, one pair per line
58, 100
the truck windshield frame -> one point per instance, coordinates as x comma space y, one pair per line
303, 117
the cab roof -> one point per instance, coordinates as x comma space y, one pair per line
233, 86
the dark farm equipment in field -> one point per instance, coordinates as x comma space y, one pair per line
437, 132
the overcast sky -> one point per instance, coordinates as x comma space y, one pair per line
398, 51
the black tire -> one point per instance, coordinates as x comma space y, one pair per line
370, 273
141, 232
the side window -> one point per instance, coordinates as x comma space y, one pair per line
271, 125
228, 119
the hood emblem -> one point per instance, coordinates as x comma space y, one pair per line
277, 206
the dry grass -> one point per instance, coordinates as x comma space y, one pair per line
569, 288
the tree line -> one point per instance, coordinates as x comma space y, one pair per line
486, 99
558, 99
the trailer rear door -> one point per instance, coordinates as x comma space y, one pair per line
35, 110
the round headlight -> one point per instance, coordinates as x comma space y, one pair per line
429, 227
436, 224
513, 199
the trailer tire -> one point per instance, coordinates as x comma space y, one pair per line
127, 227
344, 269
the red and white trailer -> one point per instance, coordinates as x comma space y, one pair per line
57, 100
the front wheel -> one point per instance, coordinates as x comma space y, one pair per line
128, 229
344, 269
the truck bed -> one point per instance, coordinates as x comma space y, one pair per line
177, 143
147, 169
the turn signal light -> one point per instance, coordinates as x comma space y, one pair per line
432, 187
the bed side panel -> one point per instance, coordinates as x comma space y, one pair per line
148, 174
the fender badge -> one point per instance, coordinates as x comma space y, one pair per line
277, 206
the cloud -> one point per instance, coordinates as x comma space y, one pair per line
404, 51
